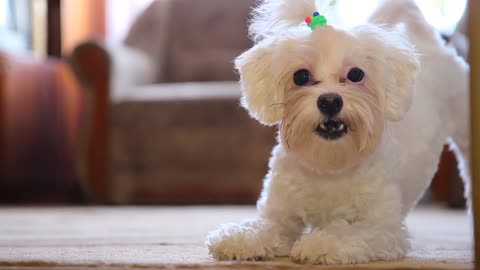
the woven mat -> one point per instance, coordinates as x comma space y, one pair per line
173, 238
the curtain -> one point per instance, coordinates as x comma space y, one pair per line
15, 25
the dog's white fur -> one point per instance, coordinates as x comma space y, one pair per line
344, 201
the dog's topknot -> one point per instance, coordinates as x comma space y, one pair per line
273, 17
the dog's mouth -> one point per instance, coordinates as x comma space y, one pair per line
332, 129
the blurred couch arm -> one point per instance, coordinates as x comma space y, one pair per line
129, 67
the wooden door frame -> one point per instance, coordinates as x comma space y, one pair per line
3, 63
474, 35
54, 28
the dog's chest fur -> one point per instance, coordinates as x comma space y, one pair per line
317, 200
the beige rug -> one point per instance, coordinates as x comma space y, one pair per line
172, 238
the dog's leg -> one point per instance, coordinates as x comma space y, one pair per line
460, 144
459, 114
259, 239
381, 235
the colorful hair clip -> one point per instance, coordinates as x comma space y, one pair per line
316, 20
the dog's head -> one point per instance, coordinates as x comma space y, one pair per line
331, 91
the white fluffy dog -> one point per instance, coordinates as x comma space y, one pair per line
363, 114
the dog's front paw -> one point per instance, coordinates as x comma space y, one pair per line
324, 248
237, 242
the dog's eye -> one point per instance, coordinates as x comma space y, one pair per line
355, 75
302, 77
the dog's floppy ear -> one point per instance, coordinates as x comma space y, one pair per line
398, 62
402, 65
262, 90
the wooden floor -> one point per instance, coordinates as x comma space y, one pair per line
173, 238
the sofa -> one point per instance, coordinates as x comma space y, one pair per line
176, 132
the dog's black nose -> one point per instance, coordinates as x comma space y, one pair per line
330, 104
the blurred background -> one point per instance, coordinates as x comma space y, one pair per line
136, 102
